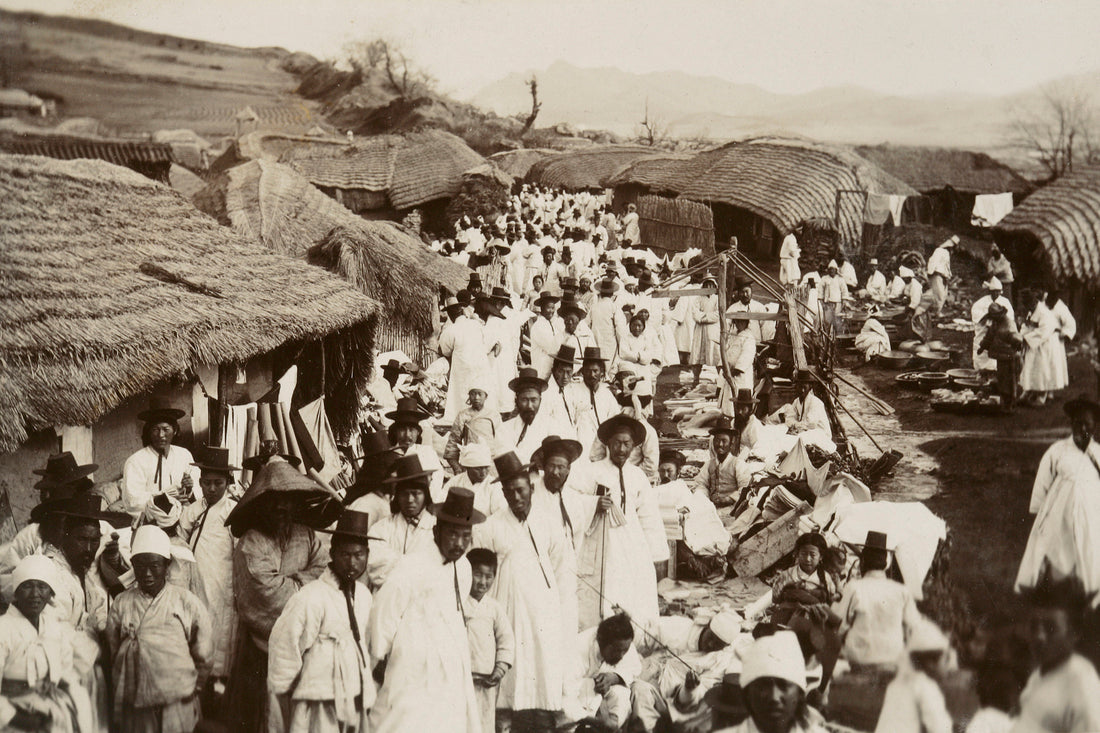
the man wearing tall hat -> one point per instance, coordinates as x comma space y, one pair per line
463, 343
745, 421
591, 400
633, 403
577, 333
277, 552
408, 528
202, 526
369, 494
621, 554
418, 639
546, 333
159, 467
61, 479
510, 337
1065, 500
532, 575
406, 435
524, 432
745, 303
877, 613
319, 668
553, 496
561, 376
81, 595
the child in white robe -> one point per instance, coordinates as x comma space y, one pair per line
492, 645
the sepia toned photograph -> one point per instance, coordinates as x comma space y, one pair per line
547, 366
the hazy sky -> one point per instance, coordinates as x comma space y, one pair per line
931, 46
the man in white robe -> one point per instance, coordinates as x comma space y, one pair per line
622, 548
939, 273
807, 411
462, 343
524, 432
546, 334
531, 572
409, 529
741, 357
475, 460
319, 667
1039, 375
159, 467
745, 303
418, 641
876, 288
202, 526
510, 337
982, 361
789, 272
1066, 502
607, 319
591, 400
561, 376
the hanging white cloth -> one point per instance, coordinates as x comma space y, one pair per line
989, 209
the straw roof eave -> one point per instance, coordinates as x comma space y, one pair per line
111, 283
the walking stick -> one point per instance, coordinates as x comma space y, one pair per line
603, 561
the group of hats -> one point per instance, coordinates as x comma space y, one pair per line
67, 491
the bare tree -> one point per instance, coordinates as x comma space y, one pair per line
1060, 129
386, 58
653, 129
536, 105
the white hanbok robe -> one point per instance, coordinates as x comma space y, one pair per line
488, 495
608, 324
509, 337
683, 324
1040, 373
637, 353
789, 272
1067, 698
316, 658
546, 336
761, 330
704, 346
1066, 331
877, 289
429, 461
514, 437
140, 482
212, 577
463, 344
589, 410
531, 572
808, 414
630, 539
1066, 502
741, 355
417, 624
978, 311
397, 538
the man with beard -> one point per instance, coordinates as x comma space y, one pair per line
745, 303
591, 401
276, 554
562, 376
524, 432
531, 577
418, 636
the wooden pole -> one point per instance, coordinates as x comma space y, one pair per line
840, 404
723, 326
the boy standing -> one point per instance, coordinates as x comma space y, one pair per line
492, 645
160, 636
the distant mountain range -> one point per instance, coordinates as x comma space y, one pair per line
706, 106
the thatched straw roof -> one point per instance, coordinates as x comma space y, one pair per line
655, 174
588, 168
1064, 218
271, 204
931, 169
412, 169
73, 147
787, 181
184, 181
518, 162
110, 283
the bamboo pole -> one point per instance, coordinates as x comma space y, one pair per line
723, 326
860, 425
883, 407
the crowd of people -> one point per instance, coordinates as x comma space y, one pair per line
504, 577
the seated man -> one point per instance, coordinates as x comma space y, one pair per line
807, 411
610, 691
725, 473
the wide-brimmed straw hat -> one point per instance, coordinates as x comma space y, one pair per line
458, 508
160, 410
616, 423
317, 507
552, 445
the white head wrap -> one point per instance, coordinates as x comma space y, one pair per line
904, 271
833, 265
152, 540
155, 515
726, 625
475, 455
778, 655
35, 567
994, 284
